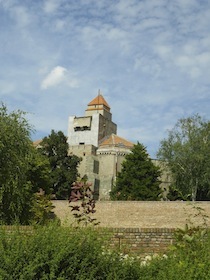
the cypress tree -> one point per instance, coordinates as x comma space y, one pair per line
139, 177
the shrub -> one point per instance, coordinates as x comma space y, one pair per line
190, 255
183, 264
42, 210
54, 252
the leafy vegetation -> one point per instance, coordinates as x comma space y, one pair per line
39, 172
181, 264
59, 253
54, 252
186, 152
82, 194
63, 168
139, 178
15, 155
42, 209
189, 257
22, 170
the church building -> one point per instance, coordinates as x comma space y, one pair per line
93, 137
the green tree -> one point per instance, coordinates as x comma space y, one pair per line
23, 171
139, 178
186, 152
63, 167
39, 172
15, 155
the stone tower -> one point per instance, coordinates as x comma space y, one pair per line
94, 126
93, 138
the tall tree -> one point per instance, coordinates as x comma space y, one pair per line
15, 155
39, 172
139, 178
63, 167
186, 152
23, 171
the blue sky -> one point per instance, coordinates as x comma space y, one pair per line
149, 58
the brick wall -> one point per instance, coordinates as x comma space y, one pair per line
139, 214
140, 226
142, 240
128, 240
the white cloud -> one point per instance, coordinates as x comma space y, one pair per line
59, 75
55, 77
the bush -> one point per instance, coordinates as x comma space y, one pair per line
55, 252
182, 263
42, 210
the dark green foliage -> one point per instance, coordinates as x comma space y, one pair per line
63, 167
175, 194
139, 178
186, 152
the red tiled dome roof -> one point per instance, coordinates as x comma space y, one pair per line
114, 140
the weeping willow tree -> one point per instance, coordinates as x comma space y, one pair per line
23, 171
15, 154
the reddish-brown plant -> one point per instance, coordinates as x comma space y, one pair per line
83, 202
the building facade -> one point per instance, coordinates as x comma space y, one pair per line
93, 137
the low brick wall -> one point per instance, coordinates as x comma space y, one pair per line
142, 240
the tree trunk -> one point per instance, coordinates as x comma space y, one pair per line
195, 190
